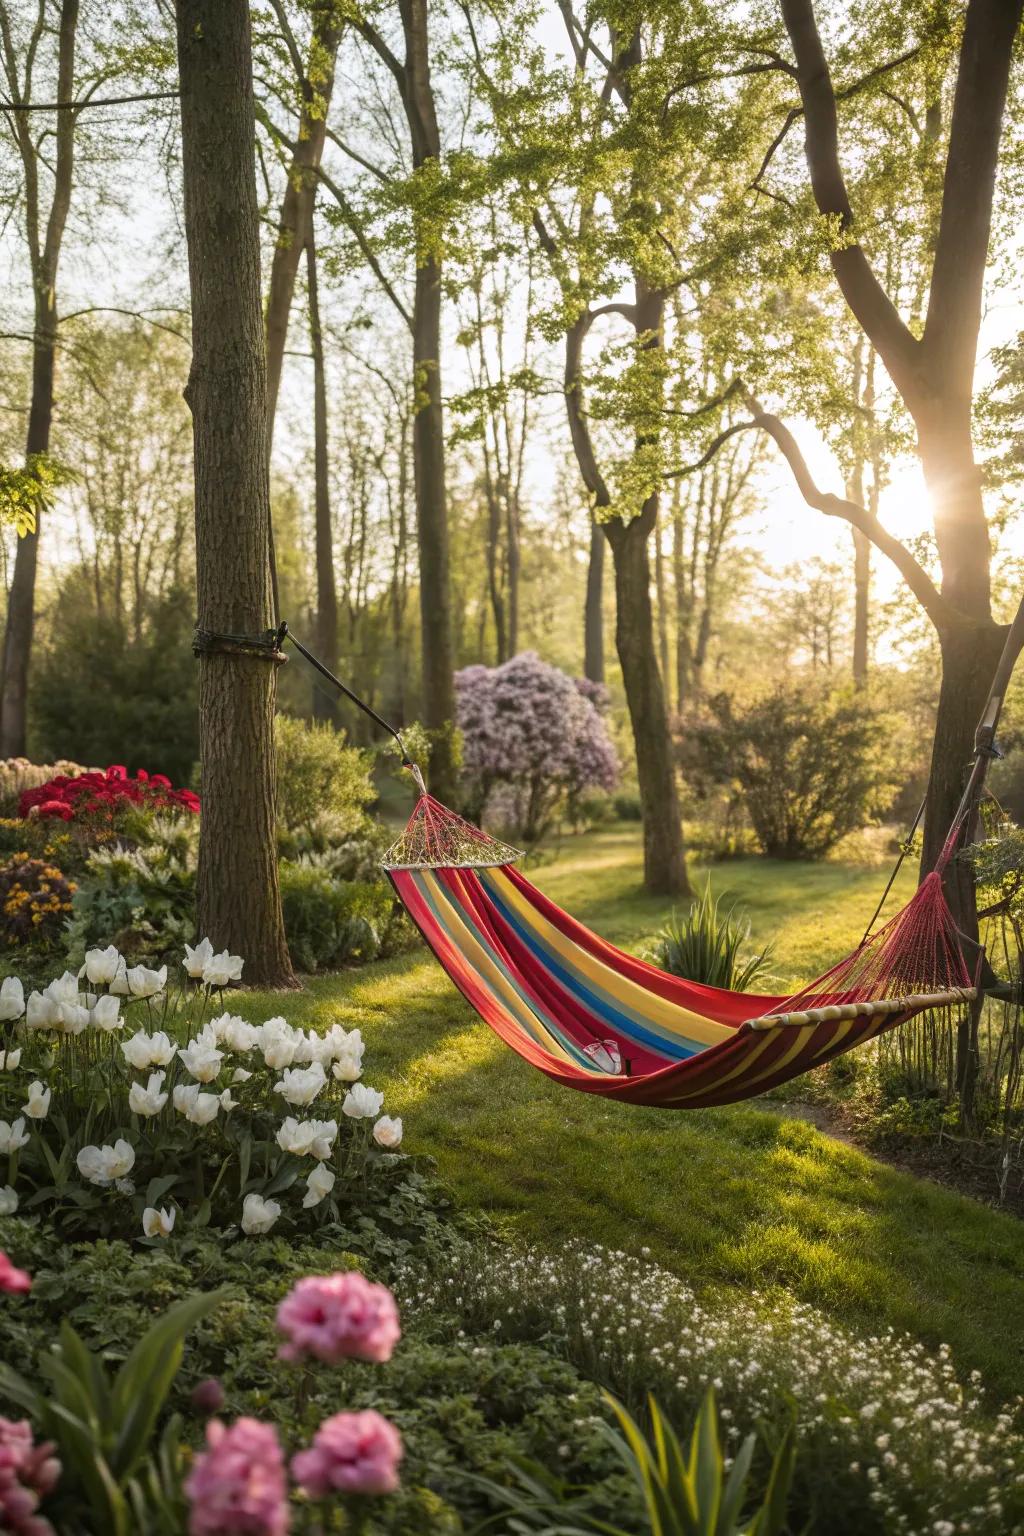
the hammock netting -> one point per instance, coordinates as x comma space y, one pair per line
598, 1019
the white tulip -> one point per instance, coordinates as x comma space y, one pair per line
102, 1165
38, 1106
72, 1018
143, 982
8, 1200
361, 1102
101, 965
234, 1033
348, 1066
9, 1060
197, 959
105, 1014
41, 1012
142, 1050
149, 1100
158, 1223
64, 989
198, 1108
12, 999
240, 1075
313, 1138
223, 968
318, 1186
227, 1103
277, 1040
388, 1132
201, 1060
13, 1137
258, 1215
300, 1085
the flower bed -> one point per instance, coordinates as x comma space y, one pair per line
103, 793
125, 1102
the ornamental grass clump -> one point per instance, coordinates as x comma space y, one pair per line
890, 1440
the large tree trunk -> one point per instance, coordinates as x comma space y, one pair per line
593, 611
325, 705
664, 854
238, 898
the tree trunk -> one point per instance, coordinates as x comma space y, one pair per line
432, 530
44, 256
21, 601
861, 606
662, 595
238, 897
513, 563
593, 612
664, 854
325, 706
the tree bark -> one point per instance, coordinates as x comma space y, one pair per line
325, 705
238, 897
44, 256
664, 853
593, 611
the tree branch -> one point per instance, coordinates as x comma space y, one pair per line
914, 574
861, 289
359, 235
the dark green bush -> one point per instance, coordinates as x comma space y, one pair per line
321, 781
332, 922
808, 766
102, 696
627, 807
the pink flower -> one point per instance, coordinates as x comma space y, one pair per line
238, 1485
13, 1280
351, 1453
335, 1316
27, 1473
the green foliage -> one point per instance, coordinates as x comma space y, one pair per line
627, 807
139, 893
332, 922
683, 1494
24, 493
104, 1423
706, 945
105, 696
808, 766
319, 778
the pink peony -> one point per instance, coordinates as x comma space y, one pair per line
335, 1316
351, 1453
13, 1280
27, 1473
238, 1485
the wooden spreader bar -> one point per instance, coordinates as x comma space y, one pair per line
913, 1002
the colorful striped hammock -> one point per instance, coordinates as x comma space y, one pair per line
592, 1017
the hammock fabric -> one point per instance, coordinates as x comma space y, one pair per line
595, 1018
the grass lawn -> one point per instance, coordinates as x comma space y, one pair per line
738, 1197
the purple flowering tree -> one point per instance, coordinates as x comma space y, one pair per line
533, 740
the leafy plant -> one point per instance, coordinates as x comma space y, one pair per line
319, 776
690, 1494
103, 1424
808, 766
35, 899
332, 922
706, 945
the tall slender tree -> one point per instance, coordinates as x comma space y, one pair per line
44, 165
238, 897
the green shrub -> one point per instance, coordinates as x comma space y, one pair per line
140, 898
706, 945
332, 922
627, 807
320, 779
104, 696
807, 766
